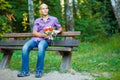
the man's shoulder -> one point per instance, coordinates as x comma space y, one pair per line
52, 17
38, 19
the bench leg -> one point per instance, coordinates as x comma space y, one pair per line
7, 54
66, 58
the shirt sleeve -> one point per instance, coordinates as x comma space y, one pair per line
57, 24
35, 26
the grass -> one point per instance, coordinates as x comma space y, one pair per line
93, 57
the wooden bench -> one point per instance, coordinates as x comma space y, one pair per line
65, 46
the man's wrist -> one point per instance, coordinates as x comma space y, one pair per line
44, 35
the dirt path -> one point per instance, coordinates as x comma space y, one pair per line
7, 74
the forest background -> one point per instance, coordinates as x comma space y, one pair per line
94, 18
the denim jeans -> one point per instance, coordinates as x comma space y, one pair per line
42, 45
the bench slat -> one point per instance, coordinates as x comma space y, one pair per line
21, 35
66, 43
48, 49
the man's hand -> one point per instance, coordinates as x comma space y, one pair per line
57, 31
45, 35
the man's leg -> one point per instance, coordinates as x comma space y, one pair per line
25, 57
40, 60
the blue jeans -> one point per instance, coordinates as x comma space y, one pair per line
42, 45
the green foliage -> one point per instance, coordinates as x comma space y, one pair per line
4, 22
95, 19
4, 5
11, 16
18, 8
24, 22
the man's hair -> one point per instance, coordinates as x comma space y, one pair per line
42, 5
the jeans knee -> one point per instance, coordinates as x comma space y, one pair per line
42, 45
24, 48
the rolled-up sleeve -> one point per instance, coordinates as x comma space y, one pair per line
57, 24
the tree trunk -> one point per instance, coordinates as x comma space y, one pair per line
31, 13
69, 15
76, 9
116, 8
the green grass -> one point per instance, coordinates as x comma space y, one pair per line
93, 57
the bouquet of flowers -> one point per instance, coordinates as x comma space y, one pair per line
49, 31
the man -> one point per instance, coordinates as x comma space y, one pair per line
39, 40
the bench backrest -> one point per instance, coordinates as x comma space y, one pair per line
15, 40
21, 35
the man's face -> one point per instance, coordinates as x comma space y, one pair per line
44, 10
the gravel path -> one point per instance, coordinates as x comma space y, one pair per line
7, 74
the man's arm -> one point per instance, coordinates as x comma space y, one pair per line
58, 26
37, 34
58, 31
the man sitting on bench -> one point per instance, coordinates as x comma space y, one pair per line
40, 39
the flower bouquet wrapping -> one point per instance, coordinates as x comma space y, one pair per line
50, 32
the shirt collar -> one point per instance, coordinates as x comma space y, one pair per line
47, 19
